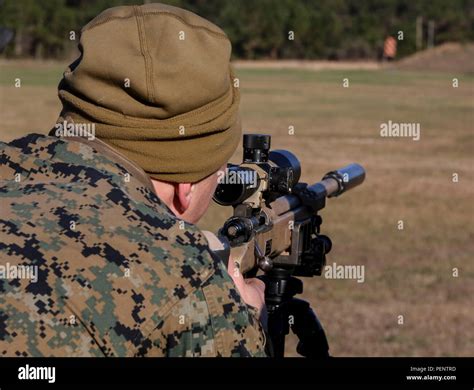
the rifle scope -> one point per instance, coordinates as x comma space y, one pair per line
279, 170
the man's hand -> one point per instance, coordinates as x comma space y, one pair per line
252, 290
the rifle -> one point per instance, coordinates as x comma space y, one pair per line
275, 228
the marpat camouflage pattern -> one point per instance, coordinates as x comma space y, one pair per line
117, 273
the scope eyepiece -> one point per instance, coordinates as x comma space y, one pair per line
236, 185
283, 171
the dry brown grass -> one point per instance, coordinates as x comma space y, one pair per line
408, 272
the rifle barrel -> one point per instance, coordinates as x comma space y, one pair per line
342, 180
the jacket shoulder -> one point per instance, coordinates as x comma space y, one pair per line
106, 251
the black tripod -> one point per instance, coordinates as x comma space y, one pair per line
285, 312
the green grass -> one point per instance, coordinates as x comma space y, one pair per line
388, 77
30, 76
50, 74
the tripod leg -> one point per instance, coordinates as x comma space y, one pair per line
312, 338
278, 328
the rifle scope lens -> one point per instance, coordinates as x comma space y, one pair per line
236, 185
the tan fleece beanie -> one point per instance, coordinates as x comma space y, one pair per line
157, 83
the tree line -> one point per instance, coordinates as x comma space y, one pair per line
306, 29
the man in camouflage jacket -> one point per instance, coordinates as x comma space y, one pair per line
99, 252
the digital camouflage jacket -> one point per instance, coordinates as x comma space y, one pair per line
117, 274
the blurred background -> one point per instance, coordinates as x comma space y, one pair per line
324, 29
321, 77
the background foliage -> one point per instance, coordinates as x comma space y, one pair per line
324, 29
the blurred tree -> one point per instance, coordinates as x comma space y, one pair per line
333, 29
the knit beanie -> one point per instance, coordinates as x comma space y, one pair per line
156, 82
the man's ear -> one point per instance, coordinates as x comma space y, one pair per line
182, 196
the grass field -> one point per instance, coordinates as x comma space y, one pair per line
408, 272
